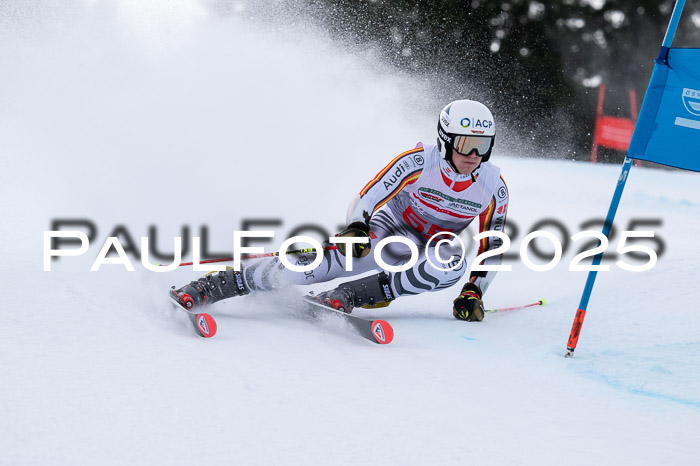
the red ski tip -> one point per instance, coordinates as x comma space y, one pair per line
382, 331
206, 325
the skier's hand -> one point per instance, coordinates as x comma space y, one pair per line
468, 305
357, 229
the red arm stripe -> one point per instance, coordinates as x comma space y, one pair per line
485, 218
411, 179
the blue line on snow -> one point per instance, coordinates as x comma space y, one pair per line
638, 391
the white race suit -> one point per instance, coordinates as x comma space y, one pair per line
416, 196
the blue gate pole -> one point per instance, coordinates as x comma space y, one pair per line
670, 32
581, 312
673, 24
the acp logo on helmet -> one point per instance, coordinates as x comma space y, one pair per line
466, 123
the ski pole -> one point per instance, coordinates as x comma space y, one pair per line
258, 256
541, 302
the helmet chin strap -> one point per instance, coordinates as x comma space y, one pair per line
448, 157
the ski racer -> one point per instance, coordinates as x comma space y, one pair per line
425, 191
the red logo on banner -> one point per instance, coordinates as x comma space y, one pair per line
613, 132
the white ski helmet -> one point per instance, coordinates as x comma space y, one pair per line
466, 126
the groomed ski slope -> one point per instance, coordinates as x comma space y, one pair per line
180, 124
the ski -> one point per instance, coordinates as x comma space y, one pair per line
377, 331
203, 323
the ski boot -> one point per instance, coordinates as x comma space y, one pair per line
369, 291
209, 289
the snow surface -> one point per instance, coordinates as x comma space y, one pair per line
172, 115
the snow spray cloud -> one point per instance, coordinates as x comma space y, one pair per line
189, 112
124, 108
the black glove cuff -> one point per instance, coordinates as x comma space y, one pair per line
359, 225
469, 286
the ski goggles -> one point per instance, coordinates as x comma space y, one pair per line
465, 145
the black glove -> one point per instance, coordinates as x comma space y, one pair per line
356, 229
468, 305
